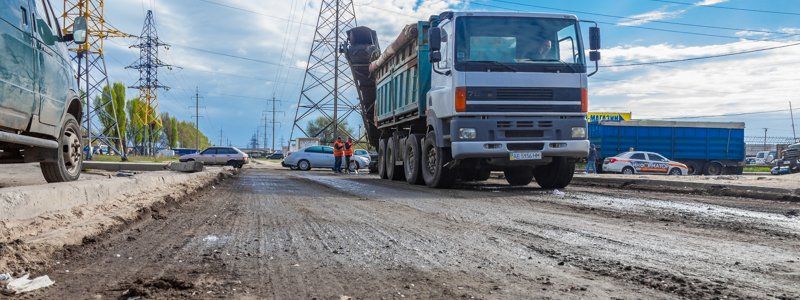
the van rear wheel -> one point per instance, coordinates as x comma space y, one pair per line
70, 156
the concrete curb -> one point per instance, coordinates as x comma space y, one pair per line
764, 193
123, 166
77, 201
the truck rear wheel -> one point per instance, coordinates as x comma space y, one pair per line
714, 168
556, 175
382, 159
70, 158
519, 176
411, 159
433, 164
393, 171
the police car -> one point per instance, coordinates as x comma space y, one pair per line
639, 162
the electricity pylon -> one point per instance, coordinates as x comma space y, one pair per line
328, 79
98, 125
148, 83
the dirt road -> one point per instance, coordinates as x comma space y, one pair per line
278, 234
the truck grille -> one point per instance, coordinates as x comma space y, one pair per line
525, 146
524, 133
524, 94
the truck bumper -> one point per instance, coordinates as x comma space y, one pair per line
500, 149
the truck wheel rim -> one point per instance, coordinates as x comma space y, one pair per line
71, 151
431, 163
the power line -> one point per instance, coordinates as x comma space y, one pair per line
235, 56
730, 8
700, 57
659, 29
725, 115
637, 19
252, 11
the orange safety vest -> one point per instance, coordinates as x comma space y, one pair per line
348, 149
338, 149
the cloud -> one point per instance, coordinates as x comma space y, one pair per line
710, 2
743, 83
655, 15
663, 13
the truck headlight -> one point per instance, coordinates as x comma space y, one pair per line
578, 132
467, 133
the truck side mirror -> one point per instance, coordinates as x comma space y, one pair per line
594, 38
436, 57
594, 55
435, 39
79, 29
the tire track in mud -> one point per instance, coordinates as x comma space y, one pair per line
686, 286
302, 235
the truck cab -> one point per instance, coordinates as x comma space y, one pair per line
39, 106
510, 90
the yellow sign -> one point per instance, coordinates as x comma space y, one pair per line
594, 117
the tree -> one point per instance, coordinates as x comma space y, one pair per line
115, 93
187, 133
144, 123
170, 129
322, 128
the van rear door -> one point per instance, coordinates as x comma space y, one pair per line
17, 73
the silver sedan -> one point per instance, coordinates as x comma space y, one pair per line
320, 157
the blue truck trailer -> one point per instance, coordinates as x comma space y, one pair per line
709, 148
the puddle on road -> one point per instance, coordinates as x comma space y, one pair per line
644, 205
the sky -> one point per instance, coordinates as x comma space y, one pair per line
274, 38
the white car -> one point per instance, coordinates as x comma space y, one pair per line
639, 162
320, 157
230, 156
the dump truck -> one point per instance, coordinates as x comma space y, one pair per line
463, 94
706, 148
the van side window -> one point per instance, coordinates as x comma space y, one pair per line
43, 24
13, 12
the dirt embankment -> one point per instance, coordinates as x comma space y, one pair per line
37, 220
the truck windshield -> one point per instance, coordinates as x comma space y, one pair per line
522, 44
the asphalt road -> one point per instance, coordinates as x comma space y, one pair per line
283, 235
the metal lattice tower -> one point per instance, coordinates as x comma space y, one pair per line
148, 83
328, 79
92, 76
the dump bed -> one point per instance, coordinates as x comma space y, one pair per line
402, 76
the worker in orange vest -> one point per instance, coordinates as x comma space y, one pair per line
348, 152
338, 152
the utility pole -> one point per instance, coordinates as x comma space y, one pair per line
91, 73
220, 136
148, 83
197, 118
264, 119
791, 113
272, 122
765, 139
325, 74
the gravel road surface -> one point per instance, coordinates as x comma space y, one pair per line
280, 234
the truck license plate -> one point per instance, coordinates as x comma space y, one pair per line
531, 155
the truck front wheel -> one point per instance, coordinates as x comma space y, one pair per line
433, 162
556, 175
70, 159
519, 176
